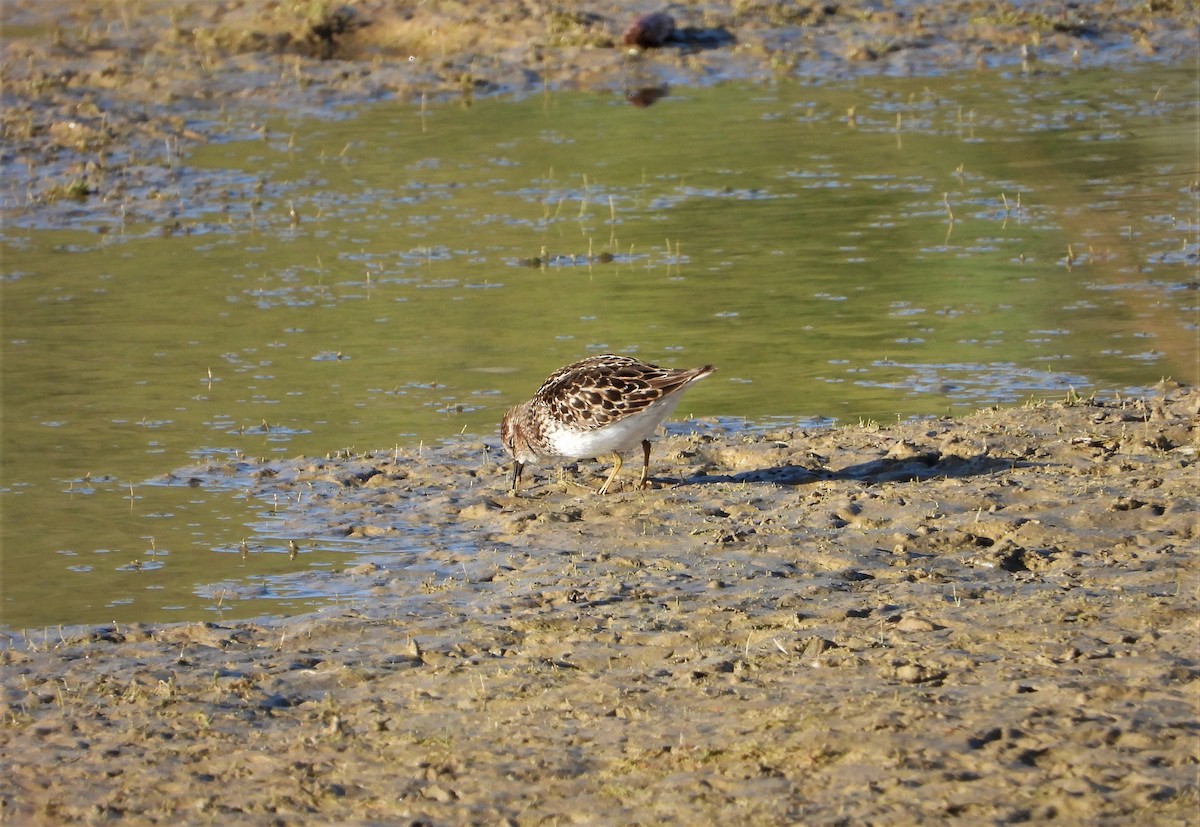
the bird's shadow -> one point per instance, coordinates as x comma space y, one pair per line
912, 469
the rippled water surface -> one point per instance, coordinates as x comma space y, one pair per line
396, 274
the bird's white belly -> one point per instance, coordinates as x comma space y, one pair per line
616, 437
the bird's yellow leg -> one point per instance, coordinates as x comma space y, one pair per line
612, 475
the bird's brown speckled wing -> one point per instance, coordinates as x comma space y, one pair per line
599, 390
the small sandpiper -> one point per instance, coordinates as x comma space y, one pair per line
594, 407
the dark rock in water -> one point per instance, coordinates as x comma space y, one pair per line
650, 30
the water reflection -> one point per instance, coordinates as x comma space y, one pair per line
397, 276
646, 95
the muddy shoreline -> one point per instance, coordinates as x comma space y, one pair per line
985, 620
989, 619
102, 105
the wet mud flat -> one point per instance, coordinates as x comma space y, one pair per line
991, 619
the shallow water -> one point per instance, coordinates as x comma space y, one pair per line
953, 243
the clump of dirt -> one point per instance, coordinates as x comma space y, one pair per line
990, 619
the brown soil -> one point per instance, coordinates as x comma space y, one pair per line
991, 620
